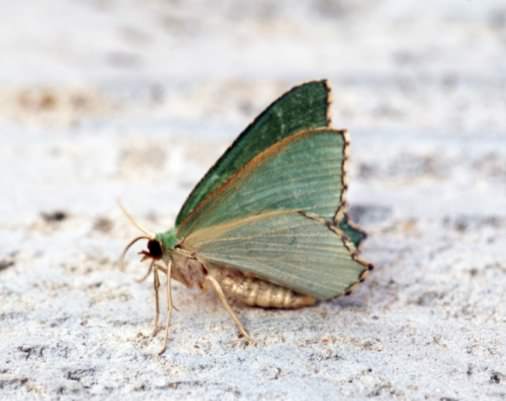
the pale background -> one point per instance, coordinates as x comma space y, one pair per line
107, 99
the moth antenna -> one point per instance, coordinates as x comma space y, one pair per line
123, 254
132, 220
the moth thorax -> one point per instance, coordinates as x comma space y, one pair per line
188, 270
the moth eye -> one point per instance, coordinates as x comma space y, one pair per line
155, 249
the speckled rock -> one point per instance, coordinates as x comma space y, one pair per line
102, 100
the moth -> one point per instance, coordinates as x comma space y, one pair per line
267, 225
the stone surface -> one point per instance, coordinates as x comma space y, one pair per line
106, 99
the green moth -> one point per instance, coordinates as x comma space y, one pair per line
267, 225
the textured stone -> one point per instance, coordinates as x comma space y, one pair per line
104, 99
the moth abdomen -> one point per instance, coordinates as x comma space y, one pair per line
256, 292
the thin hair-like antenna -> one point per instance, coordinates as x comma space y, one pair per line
132, 220
122, 257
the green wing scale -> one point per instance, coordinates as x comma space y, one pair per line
275, 217
354, 233
304, 107
301, 172
286, 248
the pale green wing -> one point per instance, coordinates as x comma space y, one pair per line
287, 248
301, 172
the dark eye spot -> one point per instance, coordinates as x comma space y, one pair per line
155, 249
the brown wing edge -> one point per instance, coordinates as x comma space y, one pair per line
330, 99
354, 252
341, 211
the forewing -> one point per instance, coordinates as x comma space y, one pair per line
301, 172
304, 107
287, 248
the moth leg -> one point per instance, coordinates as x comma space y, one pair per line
164, 270
170, 306
217, 288
156, 286
143, 278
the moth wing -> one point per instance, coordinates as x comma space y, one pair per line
301, 172
287, 248
304, 107
352, 231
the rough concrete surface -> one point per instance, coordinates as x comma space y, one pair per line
107, 99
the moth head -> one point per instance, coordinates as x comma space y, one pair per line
155, 248
153, 252
158, 247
